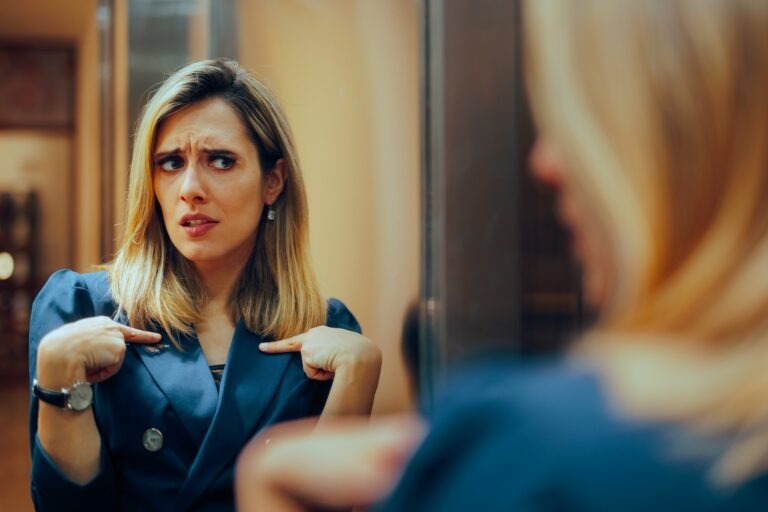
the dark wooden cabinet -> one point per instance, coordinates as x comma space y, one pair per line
18, 277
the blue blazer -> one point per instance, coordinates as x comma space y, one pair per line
545, 437
203, 427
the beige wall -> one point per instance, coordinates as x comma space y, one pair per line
347, 74
87, 139
75, 22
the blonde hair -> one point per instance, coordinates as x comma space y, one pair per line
660, 108
277, 294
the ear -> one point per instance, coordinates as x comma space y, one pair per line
274, 182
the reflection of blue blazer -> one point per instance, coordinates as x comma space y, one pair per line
544, 437
203, 428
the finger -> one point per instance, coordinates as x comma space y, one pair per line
103, 373
318, 373
133, 335
293, 344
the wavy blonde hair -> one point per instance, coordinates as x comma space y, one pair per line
277, 294
660, 108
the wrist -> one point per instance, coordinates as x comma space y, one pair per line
58, 368
360, 369
367, 356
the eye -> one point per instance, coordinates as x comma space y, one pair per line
221, 162
170, 163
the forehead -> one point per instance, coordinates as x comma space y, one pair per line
210, 121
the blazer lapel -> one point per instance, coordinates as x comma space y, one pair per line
251, 379
186, 381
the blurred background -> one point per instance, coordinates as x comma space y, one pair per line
410, 120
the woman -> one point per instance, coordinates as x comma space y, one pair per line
653, 123
149, 377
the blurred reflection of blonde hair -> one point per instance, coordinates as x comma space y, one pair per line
660, 109
277, 293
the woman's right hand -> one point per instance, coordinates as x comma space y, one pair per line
90, 349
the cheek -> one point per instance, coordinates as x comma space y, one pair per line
163, 196
245, 203
167, 199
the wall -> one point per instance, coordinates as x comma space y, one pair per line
347, 73
76, 22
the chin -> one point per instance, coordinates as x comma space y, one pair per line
196, 254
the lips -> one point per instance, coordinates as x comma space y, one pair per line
197, 224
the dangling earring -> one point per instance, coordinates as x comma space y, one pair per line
271, 213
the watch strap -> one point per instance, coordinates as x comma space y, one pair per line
50, 396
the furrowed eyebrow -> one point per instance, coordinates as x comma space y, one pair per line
212, 151
220, 152
161, 155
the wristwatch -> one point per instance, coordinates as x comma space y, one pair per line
77, 398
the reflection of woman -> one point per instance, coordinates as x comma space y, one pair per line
215, 260
653, 119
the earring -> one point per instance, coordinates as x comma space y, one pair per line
271, 213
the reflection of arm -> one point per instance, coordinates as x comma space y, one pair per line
495, 443
350, 463
69, 470
354, 385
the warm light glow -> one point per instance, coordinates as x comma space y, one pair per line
6, 266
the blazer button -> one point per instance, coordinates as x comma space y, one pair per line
152, 439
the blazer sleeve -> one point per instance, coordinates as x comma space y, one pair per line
341, 317
65, 298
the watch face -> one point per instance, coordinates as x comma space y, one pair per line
80, 396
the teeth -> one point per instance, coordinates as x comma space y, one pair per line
195, 222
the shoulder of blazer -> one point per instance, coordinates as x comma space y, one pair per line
98, 287
91, 287
340, 316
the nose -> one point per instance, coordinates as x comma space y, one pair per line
545, 164
193, 189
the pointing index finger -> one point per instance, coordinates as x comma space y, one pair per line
133, 335
292, 344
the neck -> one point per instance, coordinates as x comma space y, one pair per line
219, 279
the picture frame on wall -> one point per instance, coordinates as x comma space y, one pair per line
38, 86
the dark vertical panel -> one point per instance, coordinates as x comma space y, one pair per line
496, 275
158, 32
479, 170
106, 133
471, 286
157, 46
223, 33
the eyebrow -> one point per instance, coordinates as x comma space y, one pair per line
211, 151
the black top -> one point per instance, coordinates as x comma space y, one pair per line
217, 370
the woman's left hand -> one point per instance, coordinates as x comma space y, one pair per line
328, 350
350, 359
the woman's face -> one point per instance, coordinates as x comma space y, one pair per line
587, 244
208, 181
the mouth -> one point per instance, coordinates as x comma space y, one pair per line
196, 219
198, 222
197, 225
